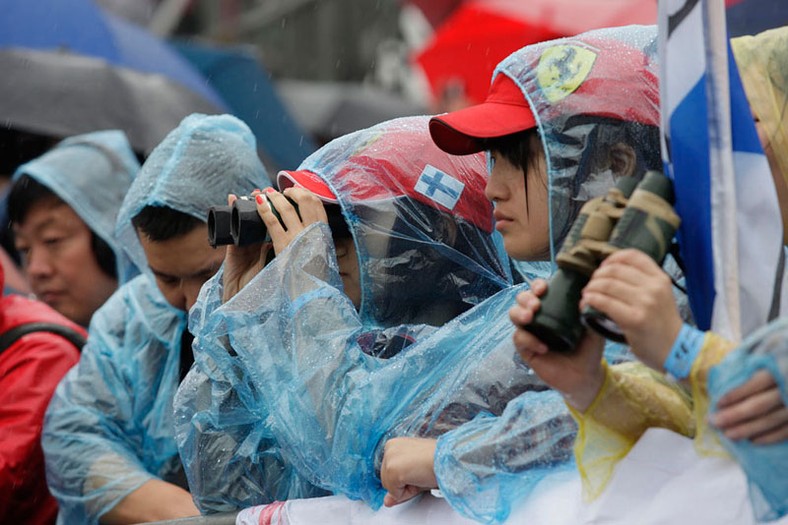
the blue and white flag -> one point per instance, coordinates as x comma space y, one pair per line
731, 233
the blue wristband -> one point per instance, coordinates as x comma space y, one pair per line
685, 349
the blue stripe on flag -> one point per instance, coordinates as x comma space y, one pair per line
691, 166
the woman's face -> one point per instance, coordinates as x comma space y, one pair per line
521, 213
59, 261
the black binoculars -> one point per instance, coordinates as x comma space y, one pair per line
631, 215
239, 224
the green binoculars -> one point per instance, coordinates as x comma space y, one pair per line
632, 214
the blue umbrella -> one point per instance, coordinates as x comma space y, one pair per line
70, 67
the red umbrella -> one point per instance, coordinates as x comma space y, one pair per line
480, 33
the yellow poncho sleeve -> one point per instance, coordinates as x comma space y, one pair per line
634, 398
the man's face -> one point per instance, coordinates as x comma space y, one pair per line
182, 264
60, 264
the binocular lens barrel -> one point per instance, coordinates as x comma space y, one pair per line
557, 322
246, 226
238, 224
219, 226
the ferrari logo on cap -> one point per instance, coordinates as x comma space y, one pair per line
562, 69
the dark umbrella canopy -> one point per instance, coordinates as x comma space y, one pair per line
70, 68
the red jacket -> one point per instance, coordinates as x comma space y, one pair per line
30, 369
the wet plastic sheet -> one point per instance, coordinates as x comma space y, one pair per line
765, 465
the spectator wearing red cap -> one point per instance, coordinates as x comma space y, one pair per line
384, 238
563, 121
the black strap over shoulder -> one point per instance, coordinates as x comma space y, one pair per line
69, 334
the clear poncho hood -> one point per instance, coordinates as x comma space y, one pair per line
587, 93
195, 167
422, 226
91, 173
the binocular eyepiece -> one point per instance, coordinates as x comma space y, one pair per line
630, 215
239, 224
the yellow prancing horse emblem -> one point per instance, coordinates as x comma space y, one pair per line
562, 69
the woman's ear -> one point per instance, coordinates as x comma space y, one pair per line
623, 159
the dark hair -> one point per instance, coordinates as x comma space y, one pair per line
337, 222
516, 148
27, 193
160, 223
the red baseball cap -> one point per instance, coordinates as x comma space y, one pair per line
587, 74
307, 180
393, 160
505, 111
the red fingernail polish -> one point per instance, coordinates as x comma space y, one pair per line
259, 199
269, 189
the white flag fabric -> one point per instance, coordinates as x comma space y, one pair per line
731, 234
661, 480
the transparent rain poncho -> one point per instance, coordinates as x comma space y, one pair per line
332, 409
109, 427
91, 173
424, 240
765, 465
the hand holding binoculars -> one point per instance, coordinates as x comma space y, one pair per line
630, 215
239, 224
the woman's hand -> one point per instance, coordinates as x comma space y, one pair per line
578, 375
242, 263
753, 411
310, 210
635, 293
407, 468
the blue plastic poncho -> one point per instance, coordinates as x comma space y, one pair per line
91, 173
423, 234
332, 410
195, 167
109, 427
765, 465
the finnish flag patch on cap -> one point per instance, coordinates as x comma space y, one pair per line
439, 186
